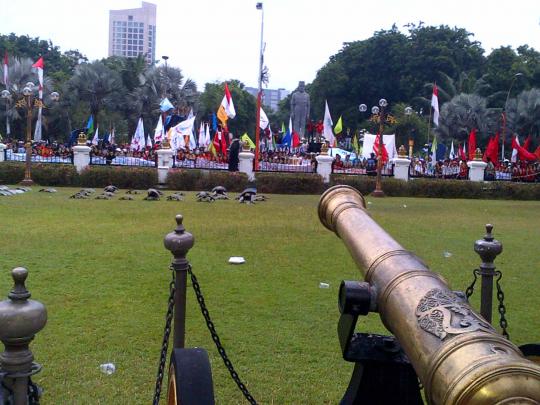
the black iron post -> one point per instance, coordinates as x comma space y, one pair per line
179, 242
20, 320
488, 249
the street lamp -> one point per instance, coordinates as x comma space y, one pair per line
408, 112
6, 96
504, 111
28, 102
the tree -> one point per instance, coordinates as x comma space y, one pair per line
98, 85
523, 113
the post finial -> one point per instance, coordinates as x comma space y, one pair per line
19, 292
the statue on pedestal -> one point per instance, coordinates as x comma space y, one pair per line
300, 106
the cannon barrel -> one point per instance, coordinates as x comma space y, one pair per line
457, 355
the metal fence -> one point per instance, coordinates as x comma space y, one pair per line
387, 170
11, 156
198, 163
453, 173
299, 167
97, 160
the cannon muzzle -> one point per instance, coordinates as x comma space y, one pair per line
457, 355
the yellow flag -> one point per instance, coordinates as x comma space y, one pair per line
355, 143
339, 126
212, 149
248, 140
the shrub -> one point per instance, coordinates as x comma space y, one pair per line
11, 173
55, 174
289, 183
232, 181
122, 177
182, 179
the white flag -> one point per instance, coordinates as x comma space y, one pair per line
207, 136
263, 120
201, 135
95, 139
514, 157
435, 104
178, 132
158, 132
452, 155
328, 125
112, 141
138, 142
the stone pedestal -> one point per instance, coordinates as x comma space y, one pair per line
401, 168
324, 167
476, 170
246, 164
2, 150
165, 162
81, 157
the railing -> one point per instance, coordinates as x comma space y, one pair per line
122, 161
199, 163
300, 167
453, 173
11, 156
387, 170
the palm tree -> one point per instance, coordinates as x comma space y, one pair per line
523, 113
98, 85
463, 113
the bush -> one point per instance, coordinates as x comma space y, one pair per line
122, 177
289, 183
43, 174
11, 173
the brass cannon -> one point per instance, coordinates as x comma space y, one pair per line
457, 355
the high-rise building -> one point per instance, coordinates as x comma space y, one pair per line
132, 32
271, 97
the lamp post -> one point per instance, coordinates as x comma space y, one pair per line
6, 96
28, 103
408, 112
504, 111
379, 116
259, 6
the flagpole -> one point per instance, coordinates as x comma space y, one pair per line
259, 94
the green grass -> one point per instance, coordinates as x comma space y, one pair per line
102, 271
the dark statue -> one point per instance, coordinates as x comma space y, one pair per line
300, 105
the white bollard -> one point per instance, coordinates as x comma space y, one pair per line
401, 168
2, 150
245, 164
165, 162
324, 166
476, 170
81, 157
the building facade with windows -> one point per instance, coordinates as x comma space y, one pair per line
132, 32
271, 97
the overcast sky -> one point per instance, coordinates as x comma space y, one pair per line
218, 40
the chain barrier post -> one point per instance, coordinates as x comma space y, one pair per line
20, 320
488, 249
179, 242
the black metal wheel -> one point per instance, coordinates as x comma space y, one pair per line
190, 378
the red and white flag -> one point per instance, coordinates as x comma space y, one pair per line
6, 69
226, 109
435, 104
39, 66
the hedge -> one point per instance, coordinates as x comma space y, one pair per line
275, 183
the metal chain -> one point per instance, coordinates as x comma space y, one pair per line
502, 309
470, 289
165, 342
34, 392
216, 339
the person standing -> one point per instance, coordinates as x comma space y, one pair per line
234, 151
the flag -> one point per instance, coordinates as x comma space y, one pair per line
472, 144
521, 152
178, 132
216, 142
90, 126
339, 126
434, 150
201, 135
112, 141
214, 123
224, 135
190, 114
245, 138
165, 105
95, 139
158, 132
192, 141
263, 120
295, 140
226, 109
515, 145
283, 128
537, 152
452, 154
39, 67
355, 145
327, 126
492, 149
461, 153
6, 75
138, 142
287, 138
435, 104
207, 136
384, 152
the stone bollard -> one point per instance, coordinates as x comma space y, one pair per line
246, 163
20, 320
81, 154
324, 164
2, 152
477, 167
402, 164
179, 242
165, 162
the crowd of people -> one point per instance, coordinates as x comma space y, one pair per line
278, 159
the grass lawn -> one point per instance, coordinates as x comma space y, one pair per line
102, 271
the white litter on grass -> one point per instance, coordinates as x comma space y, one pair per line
404, 205
447, 254
324, 285
236, 260
107, 368
369, 202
